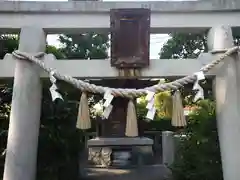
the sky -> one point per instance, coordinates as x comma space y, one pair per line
156, 40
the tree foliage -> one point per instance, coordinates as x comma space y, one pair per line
181, 46
5, 98
55, 51
198, 154
187, 45
8, 43
84, 46
59, 141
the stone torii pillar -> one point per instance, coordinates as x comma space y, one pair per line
227, 88
21, 156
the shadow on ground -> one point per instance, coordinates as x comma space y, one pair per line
151, 172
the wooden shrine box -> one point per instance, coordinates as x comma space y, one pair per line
130, 34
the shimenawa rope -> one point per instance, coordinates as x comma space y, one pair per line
129, 93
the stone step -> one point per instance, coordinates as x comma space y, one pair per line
150, 172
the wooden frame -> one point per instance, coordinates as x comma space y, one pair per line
130, 37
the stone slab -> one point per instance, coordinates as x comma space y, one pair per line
138, 141
93, 16
102, 69
99, 6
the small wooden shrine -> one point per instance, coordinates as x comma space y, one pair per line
130, 34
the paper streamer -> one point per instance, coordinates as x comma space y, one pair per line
107, 104
55, 95
200, 75
151, 113
52, 78
108, 98
150, 105
200, 93
53, 89
107, 111
150, 95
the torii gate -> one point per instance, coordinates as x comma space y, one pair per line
36, 19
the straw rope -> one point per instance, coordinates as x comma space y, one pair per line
129, 93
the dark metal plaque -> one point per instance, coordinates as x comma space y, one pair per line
130, 34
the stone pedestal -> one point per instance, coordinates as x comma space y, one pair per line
120, 152
113, 148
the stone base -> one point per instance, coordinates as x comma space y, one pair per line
107, 152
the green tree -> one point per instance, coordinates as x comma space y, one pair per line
198, 155
162, 102
181, 46
9, 43
5, 99
187, 45
59, 140
84, 46
55, 51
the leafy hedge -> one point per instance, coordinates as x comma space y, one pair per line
198, 155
